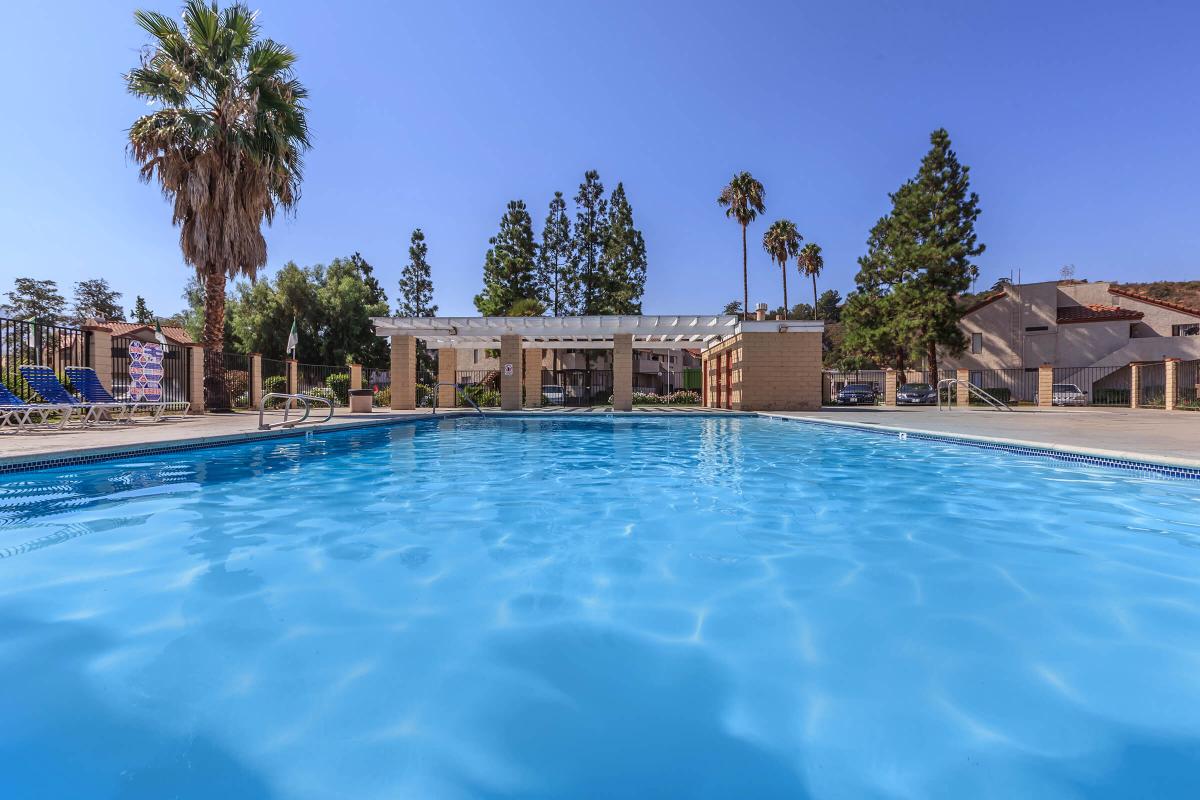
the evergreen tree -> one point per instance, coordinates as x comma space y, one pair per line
34, 300
734, 307
510, 265
95, 299
141, 312
416, 281
829, 306
556, 284
623, 265
587, 251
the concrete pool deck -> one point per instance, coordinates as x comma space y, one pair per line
1166, 437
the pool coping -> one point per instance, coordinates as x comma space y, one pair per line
1166, 466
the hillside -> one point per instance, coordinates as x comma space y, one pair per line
1185, 293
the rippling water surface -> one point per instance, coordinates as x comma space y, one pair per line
529, 607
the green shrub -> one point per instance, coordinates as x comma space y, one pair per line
275, 384
482, 396
339, 384
237, 383
684, 397
382, 398
424, 395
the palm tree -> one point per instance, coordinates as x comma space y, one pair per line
782, 242
742, 200
811, 263
225, 144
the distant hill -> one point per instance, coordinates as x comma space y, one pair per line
1185, 293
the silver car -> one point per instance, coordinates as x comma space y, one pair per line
1066, 394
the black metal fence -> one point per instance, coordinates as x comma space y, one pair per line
1187, 385
1101, 386
379, 381
324, 380
1007, 385
1152, 385
274, 376
177, 370
576, 387
481, 385
55, 346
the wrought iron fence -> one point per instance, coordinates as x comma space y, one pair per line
834, 382
177, 370
576, 387
481, 385
324, 380
1012, 386
26, 342
1187, 385
1100, 386
1152, 385
379, 381
274, 378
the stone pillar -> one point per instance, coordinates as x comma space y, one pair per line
889, 386
196, 378
532, 358
964, 394
101, 354
447, 359
622, 372
356, 378
1171, 384
510, 372
256, 380
293, 376
404, 373
1045, 392
1135, 385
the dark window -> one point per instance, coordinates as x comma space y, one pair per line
1036, 328
976, 342
1189, 329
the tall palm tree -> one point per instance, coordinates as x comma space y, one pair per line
225, 144
742, 200
782, 243
811, 263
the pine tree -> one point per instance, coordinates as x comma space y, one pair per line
95, 299
141, 312
623, 264
510, 265
556, 284
416, 281
587, 251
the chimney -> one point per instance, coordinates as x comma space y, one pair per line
760, 313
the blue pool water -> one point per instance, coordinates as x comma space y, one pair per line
600, 608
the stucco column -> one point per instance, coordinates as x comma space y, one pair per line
964, 394
532, 358
447, 358
1045, 392
404, 373
196, 378
356, 377
889, 387
1135, 385
1171, 384
100, 353
510, 372
256, 374
293, 376
622, 371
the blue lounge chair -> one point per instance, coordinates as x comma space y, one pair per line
15, 411
49, 388
87, 383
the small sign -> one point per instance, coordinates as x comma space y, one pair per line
508, 370
145, 371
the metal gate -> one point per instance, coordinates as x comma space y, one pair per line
176, 381
577, 387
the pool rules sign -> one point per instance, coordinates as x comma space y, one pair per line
145, 371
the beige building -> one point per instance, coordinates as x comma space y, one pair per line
1074, 324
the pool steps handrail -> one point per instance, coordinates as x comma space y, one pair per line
458, 390
990, 399
305, 399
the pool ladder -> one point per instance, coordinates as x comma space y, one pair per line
304, 399
458, 390
972, 389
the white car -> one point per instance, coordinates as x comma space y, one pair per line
1066, 394
554, 395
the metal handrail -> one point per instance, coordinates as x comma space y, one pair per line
306, 399
991, 400
458, 390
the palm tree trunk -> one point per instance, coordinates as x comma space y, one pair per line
785, 305
745, 279
814, 277
216, 398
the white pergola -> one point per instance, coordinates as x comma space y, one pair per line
659, 332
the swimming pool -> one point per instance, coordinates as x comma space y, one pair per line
614, 607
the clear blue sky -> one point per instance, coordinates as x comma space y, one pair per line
1080, 123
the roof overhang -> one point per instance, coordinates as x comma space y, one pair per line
664, 331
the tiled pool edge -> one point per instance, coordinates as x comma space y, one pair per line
1166, 466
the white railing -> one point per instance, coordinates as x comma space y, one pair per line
305, 399
972, 389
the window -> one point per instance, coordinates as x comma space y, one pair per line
1036, 328
976, 342
1189, 329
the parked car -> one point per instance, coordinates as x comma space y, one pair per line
857, 394
553, 395
1066, 394
916, 394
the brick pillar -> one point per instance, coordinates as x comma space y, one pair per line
447, 359
532, 358
622, 372
1171, 368
256, 380
510, 372
1045, 393
704, 382
1135, 385
101, 354
356, 376
889, 387
196, 378
404, 373
293, 376
964, 394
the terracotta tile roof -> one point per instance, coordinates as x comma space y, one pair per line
1096, 312
987, 301
172, 332
1154, 301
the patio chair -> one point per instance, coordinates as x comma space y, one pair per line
49, 388
87, 383
15, 411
